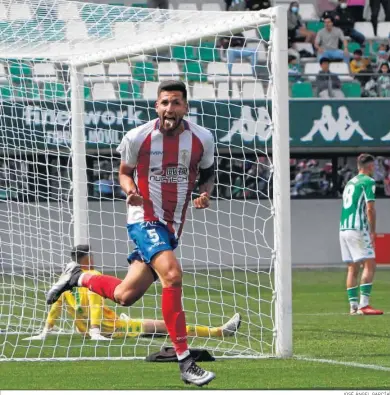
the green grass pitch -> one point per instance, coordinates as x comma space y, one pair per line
322, 331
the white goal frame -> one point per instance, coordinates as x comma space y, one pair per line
281, 256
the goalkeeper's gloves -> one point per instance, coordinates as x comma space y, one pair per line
94, 333
40, 336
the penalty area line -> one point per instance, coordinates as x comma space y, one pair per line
343, 363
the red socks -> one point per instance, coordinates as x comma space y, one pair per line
174, 318
101, 284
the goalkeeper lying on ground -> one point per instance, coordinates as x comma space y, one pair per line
101, 323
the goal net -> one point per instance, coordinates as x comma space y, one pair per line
74, 77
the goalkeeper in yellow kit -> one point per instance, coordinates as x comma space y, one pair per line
98, 321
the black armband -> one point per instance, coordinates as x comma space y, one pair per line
206, 174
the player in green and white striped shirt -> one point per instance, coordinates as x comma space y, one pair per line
357, 235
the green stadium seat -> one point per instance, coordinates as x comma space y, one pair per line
28, 91
55, 31
19, 70
193, 71
353, 47
54, 90
87, 92
101, 29
375, 46
26, 30
265, 32
302, 89
208, 53
315, 26
6, 92
6, 32
144, 71
183, 53
129, 91
140, 5
352, 89
92, 13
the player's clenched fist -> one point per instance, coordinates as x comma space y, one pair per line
133, 199
203, 201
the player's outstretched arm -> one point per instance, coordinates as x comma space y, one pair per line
54, 313
128, 185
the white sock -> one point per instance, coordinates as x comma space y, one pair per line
80, 280
185, 354
364, 301
354, 305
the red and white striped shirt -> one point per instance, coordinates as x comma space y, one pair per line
167, 167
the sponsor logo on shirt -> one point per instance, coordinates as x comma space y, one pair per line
169, 175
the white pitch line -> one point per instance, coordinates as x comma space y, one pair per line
317, 314
343, 363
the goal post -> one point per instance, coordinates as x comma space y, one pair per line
236, 257
281, 197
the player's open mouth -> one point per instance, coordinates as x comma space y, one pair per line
169, 122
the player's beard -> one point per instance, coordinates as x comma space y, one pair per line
169, 126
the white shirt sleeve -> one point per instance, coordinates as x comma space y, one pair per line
127, 150
208, 153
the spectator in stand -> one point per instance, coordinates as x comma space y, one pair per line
163, 4
297, 30
375, 6
383, 82
234, 47
343, 19
382, 55
327, 42
328, 84
294, 69
360, 65
356, 8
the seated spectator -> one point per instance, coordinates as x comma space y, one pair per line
343, 19
294, 69
296, 28
360, 65
382, 55
327, 42
328, 84
235, 49
383, 82
380, 86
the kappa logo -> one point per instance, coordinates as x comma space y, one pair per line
249, 126
386, 138
330, 128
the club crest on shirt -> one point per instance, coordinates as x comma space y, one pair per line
184, 158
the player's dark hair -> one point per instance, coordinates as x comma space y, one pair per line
364, 159
172, 85
79, 252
